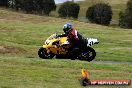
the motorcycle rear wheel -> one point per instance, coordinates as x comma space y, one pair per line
88, 55
43, 54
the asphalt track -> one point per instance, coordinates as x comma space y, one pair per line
99, 62
104, 62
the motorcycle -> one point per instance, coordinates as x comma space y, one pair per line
52, 48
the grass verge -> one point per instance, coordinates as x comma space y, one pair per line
21, 72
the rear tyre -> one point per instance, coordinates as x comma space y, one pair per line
89, 54
42, 52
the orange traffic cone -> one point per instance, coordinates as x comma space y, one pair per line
85, 79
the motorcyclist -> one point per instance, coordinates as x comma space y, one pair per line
74, 38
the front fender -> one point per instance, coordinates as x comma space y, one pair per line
46, 47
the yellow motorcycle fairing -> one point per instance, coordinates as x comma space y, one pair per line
51, 46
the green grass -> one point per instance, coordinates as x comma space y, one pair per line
21, 35
21, 72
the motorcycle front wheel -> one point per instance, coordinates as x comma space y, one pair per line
43, 54
88, 55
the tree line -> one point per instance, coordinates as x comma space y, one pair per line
31, 6
100, 13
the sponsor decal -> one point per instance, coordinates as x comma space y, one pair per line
85, 81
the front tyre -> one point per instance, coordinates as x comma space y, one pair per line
42, 52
